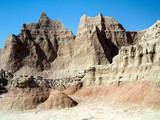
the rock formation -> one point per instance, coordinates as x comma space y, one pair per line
23, 99
139, 62
46, 55
49, 46
5, 77
37, 46
58, 99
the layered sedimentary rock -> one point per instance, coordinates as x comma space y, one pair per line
139, 62
102, 59
143, 53
49, 46
134, 75
109, 29
37, 46
99, 39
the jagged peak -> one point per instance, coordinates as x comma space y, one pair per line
99, 19
11, 38
86, 16
45, 23
152, 32
100, 14
43, 17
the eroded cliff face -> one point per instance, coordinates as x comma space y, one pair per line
108, 27
103, 59
50, 47
37, 46
133, 77
103, 37
134, 63
146, 52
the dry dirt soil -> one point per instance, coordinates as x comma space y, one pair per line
87, 109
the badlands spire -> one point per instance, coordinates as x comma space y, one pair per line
49, 46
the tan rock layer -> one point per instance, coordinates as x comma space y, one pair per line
141, 94
25, 99
49, 46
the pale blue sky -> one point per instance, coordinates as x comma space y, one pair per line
132, 14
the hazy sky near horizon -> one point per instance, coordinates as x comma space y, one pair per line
132, 14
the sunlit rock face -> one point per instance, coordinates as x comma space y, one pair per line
49, 49
103, 59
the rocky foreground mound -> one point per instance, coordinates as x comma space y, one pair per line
36, 98
103, 59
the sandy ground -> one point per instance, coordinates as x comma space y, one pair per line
1, 96
86, 110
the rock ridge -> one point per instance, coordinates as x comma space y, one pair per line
48, 63
48, 47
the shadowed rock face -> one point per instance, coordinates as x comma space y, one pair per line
96, 33
48, 45
5, 77
36, 46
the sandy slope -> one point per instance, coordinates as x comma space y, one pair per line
89, 110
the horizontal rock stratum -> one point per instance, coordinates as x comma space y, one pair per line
102, 59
